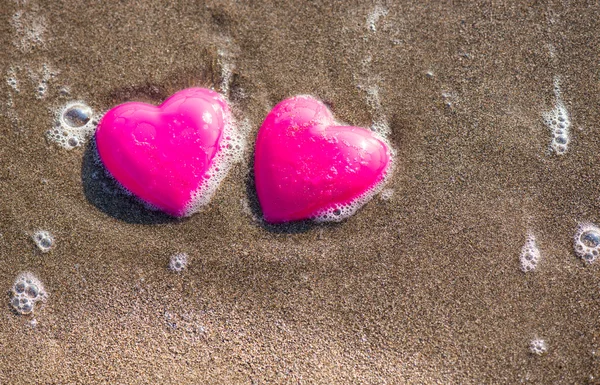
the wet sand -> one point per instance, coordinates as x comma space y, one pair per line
421, 288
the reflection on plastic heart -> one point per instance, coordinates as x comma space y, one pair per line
173, 156
309, 167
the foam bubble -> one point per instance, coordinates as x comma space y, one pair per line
538, 346
25, 292
178, 262
587, 242
233, 144
74, 123
530, 254
558, 121
43, 240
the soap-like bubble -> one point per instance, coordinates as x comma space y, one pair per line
77, 115
20, 287
26, 291
530, 254
74, 123
587, 242
178, 262
538, 347
590, 239
32, 291
44, 240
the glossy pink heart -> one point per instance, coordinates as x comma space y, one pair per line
172, 157
308, 166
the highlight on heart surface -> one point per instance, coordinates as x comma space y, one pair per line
308, 166
172, 157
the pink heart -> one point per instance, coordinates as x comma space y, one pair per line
309, 167
172, 157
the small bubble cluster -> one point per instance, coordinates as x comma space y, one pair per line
559, 123
73, 124
29, 28
44, 240
25, 292
41, 89
232, 144
43, 77
178, 262
587, 242
530, 254
538, 346
13, 83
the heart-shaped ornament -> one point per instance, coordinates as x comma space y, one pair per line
307, 166
173, 156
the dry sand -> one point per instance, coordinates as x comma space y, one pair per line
422, 288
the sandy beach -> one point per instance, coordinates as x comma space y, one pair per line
422, 285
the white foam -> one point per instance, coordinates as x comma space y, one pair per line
25, 292
29, 29
587, 242
178, 262
538, 346
380, 123
226, 72
559, 122
67, 134
43, 240
530, 254
232, 146
374, 16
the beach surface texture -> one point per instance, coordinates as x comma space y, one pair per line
463, 269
